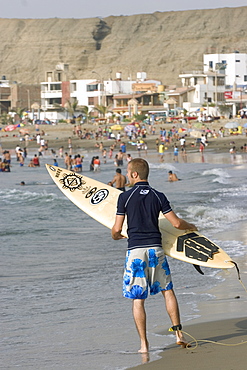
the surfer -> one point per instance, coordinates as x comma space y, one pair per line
146, 263
119, 179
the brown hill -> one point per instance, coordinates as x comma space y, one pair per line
161, 44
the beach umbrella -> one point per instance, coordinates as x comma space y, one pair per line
10, 127
117, 127
231, 125
130, 127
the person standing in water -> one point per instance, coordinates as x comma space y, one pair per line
119, 179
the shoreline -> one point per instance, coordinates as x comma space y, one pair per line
222, 320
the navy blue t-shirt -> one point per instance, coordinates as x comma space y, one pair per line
142, 205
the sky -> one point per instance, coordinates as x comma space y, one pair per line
103, 8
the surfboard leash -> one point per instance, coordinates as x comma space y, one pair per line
190, 346
238, 272
196, 341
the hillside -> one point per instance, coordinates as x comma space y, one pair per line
161, 44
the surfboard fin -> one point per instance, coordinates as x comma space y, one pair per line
196, 247
198, 269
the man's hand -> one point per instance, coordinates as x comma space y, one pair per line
117, 236
117, 228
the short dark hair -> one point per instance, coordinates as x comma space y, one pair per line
140, 166
118, 170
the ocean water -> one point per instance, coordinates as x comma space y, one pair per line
61, 273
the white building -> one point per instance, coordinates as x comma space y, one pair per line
89, 92
94, 92
235, 65
208, 88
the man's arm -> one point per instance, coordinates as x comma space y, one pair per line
117, 228
113, 180
179, 223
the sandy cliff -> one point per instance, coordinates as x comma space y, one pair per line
161, 44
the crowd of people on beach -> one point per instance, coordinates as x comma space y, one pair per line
173, 138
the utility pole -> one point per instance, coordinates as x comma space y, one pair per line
101, 82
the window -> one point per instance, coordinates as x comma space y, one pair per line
53, 101
49, 76
237, 61
221, 97
210, 64
245, 77
73, 86
146, 100
223, 62
55, 87
221, 81
92, 87
91, 100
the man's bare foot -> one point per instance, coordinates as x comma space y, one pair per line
144, 347
181, 341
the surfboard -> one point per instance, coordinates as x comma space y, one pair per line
99, 201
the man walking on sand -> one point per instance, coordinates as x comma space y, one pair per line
146, 263
119, 179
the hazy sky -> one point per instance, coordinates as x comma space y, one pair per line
103, 8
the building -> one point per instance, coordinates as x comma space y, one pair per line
235, 68
234, 64
57, 91
204, 89
5, 95
96, 92
14, 95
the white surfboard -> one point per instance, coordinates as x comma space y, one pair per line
99, 201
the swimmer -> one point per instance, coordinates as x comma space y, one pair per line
172, 176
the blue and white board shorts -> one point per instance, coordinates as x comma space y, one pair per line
145, 267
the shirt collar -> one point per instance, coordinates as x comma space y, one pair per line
141, 183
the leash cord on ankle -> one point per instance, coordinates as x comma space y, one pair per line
196, 341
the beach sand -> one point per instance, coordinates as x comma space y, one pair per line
222, 320
228, 354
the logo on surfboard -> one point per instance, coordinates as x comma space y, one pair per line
99, 196
72, 182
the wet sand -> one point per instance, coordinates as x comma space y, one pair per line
229, 351
219, 334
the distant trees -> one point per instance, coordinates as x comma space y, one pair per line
86, 112
71, 107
